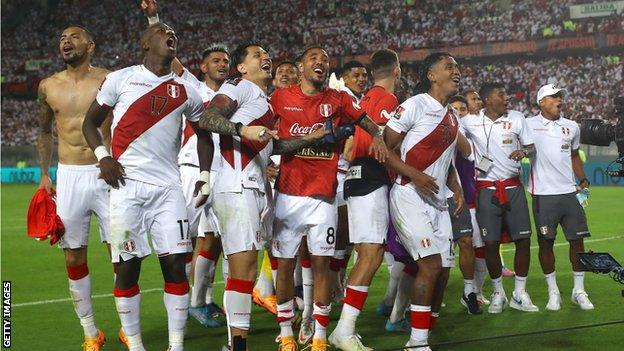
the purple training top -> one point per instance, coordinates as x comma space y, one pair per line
466, 172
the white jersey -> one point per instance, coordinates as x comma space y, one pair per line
551, 168
497, 140
243, 163
430, 140
147, 120
188, 152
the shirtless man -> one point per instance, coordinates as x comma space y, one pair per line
65, 97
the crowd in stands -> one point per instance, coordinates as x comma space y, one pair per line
592, 83
284, 27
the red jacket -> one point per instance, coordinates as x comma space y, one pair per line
43, 222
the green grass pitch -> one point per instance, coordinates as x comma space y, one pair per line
37, 273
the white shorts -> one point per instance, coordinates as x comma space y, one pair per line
240, 219
80, 193
477, 239
138, 208
298, 216
189, 176
368, 217
422, 229
207, 222
340, 201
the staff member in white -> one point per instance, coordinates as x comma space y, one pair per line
501, 138
552, 184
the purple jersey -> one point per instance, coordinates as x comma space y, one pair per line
395, 248
466, 172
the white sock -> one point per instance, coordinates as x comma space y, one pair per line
176, 301
355, 298
237, 302
128, 304
200, 281
308, 287
420, 320
389, 258
321, 321
479, 275
579, 284
285, 315
468, 286
402, 301
80, 291
497, 285
520, 285
393, 283
551, 280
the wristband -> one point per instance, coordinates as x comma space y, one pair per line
584, 180
204, 176
101, 152
239, 128
153, 20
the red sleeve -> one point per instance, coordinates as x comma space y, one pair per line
383, 109
351, 109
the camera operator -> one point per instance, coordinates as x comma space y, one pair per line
553, 166
501, 139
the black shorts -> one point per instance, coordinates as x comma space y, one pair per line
491, 217
551, 210
462, 225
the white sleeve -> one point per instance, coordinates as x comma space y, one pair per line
108, 92
462, 126
403, 118
525, 133
576, 140
236, 89
194, 105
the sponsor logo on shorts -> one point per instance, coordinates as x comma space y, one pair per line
425, 243
483, 231
354, 172
543, 230
129, 245
583, 232
525, 232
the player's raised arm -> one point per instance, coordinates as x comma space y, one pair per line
44, 137
216, 119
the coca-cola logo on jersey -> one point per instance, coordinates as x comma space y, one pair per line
297, 130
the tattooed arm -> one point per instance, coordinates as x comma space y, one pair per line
378, 147
217, 116
286, 146
44, 138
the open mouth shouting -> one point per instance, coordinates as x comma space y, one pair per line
319, 71
266, 66
172, 43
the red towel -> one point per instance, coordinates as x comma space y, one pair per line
43, 222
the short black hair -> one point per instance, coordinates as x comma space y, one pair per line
487, 88
238, 56
424, 85
351, 65
87, 32
214, 48
468, 91
383, 62
457, 98
305, 51
285, 62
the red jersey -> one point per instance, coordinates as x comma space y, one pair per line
311, 171
378, 104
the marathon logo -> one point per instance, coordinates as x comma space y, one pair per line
6, 314
322, 153
292, 108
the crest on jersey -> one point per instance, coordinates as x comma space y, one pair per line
544, 230
507, 125
129, 245
325, 110
425, 243
565, 130
173, 90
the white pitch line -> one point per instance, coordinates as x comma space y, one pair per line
566, 244
46, 302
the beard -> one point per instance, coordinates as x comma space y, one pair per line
72, 59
